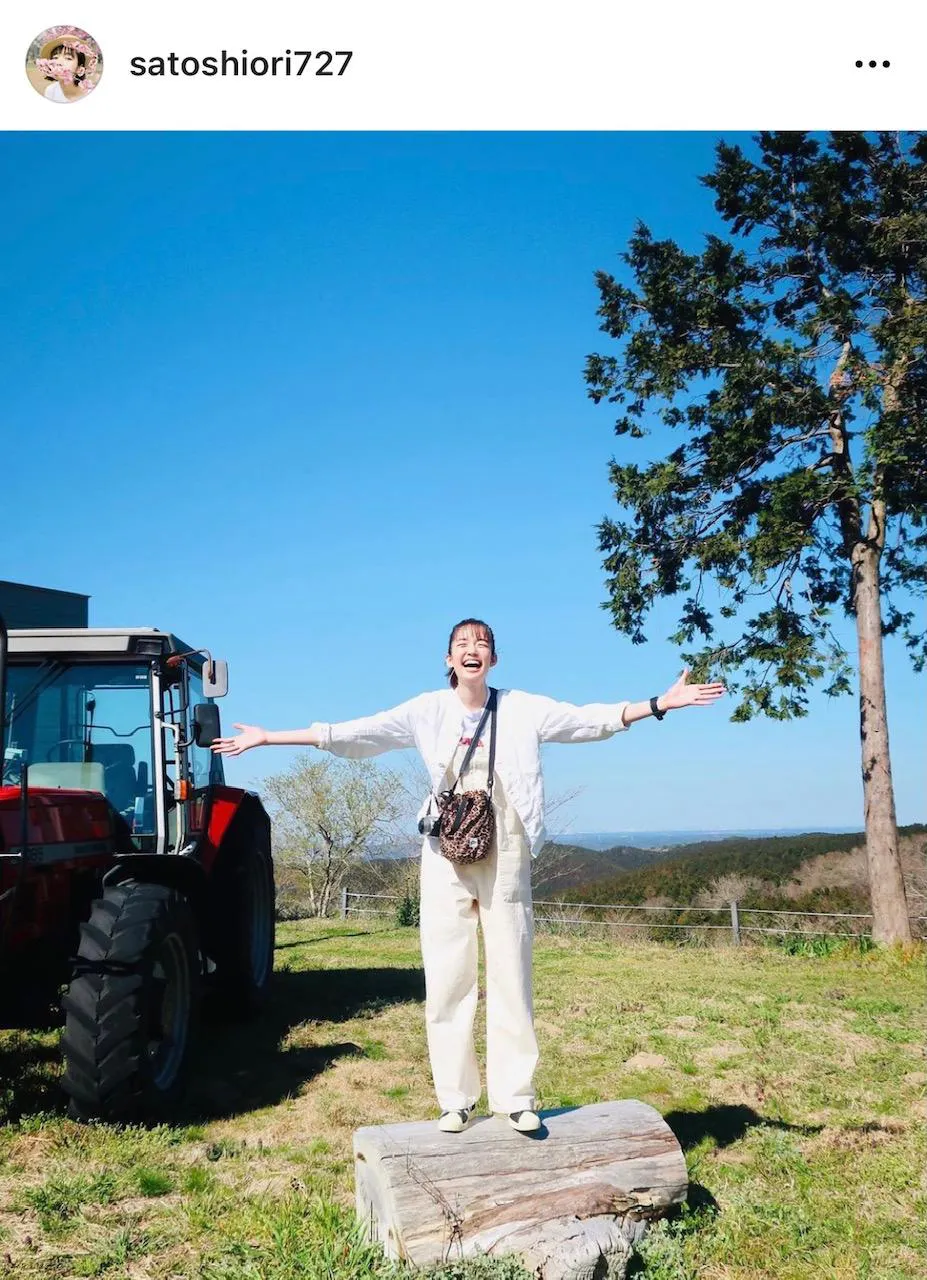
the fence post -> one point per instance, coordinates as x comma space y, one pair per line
344, 903
735, 923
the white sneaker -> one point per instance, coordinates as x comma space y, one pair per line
525, 1121
455, 1121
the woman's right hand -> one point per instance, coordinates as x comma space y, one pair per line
251, 735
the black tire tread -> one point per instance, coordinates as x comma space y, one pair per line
237, 997
101, 1044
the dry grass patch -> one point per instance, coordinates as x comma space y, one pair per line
777, 1136
719, 1052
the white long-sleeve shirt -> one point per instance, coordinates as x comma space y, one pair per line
431, 722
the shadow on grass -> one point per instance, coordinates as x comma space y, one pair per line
29, 1076
325, 937
338, 995
245, 1066
239, 1066
726, 1124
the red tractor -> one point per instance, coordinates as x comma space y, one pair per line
131, 876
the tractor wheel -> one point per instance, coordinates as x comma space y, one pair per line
244, 938
132, 1005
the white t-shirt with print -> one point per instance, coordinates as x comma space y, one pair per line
470, 723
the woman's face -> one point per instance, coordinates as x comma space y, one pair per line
67, 57
471, 656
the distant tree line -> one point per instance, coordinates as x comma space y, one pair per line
695, 868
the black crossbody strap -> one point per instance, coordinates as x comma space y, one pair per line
491, 706
489, 711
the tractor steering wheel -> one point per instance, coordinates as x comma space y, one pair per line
62, 742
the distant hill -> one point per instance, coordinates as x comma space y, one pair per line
561, 866
760, 865
811, 871
603, 840
558, 867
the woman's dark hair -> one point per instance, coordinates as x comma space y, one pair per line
81, 60
483, 631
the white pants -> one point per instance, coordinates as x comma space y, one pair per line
496, 894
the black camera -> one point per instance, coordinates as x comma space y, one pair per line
430, 825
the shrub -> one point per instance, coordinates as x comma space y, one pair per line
407, 911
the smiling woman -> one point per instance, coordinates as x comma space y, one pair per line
64, 64
472, 646
491, 738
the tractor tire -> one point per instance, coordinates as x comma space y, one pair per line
244, 908
132, 1005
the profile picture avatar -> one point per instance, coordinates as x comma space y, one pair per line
64, 64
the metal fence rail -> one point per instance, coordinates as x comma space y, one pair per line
615, 914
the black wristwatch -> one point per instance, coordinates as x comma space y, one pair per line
656, 710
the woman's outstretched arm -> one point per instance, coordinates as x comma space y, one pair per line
252, 735
564, 722
390, 730
678, 695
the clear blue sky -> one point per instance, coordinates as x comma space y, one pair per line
308, 399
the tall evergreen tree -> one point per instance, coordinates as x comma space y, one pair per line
789, 356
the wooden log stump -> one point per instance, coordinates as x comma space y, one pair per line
570, 1200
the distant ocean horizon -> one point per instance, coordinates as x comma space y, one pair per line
666, 839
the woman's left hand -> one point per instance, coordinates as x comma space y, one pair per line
683, 694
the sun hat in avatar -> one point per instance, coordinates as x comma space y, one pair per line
75, 39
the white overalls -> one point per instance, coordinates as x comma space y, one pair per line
496, 893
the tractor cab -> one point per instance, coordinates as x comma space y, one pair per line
129, 715
130, 874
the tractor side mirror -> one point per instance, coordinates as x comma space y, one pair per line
215, 679
205, 724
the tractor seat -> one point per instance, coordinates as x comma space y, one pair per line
68, 775
118, 761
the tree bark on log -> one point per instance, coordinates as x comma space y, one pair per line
570, 1201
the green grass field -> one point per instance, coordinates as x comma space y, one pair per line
794, 1083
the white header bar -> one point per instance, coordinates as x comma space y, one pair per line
408, 64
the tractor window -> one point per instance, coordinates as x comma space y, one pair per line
172, 712
205, 766
83, 726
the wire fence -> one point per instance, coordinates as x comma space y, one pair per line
733, 920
